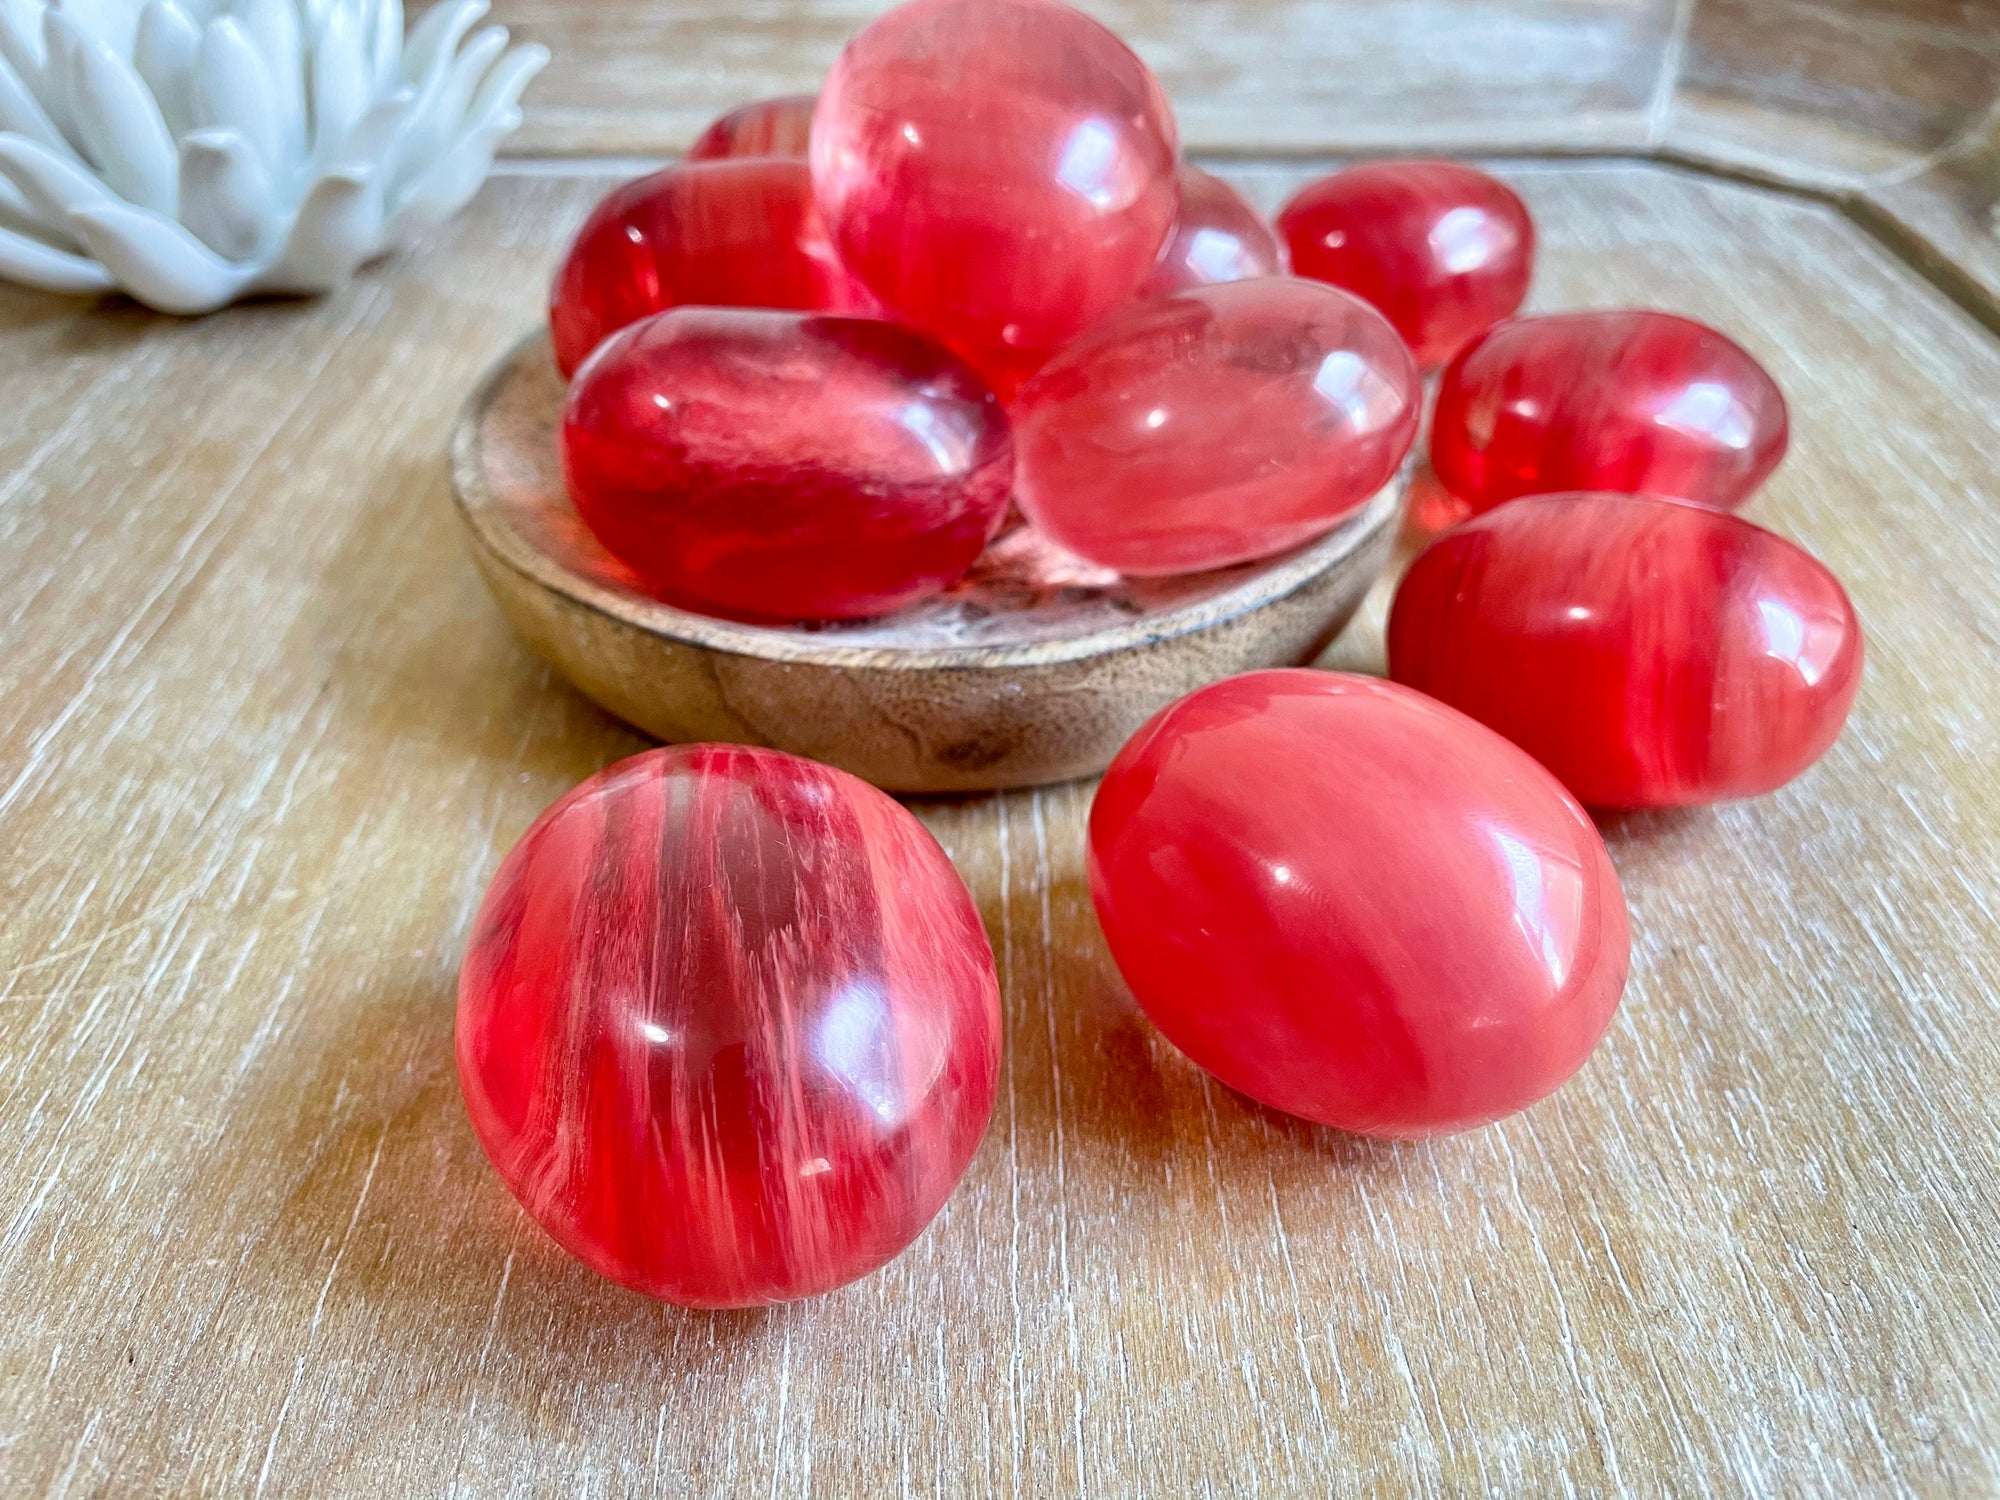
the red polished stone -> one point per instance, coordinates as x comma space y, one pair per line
738, 233
1216, 425
1355, 904
784, 466
998, 172
728, 1025
1638, 402
1218, 237
769, 127
1651, 653
1443, 250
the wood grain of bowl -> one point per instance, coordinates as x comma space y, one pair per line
1035, 668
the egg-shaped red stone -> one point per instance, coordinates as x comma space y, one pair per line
1637, 402
735, 233
780, 465
1649, 652
998, 172
728, 1025
1217, 237
1355, 904
1444, 250
1216, 425
768, 127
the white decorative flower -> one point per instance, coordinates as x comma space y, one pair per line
190, 152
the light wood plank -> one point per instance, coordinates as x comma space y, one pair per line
1273, 75
262, 739
1832, 94
1946, 220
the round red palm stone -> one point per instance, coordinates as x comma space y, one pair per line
728, 1025
1631, 401
1216, 425
727, 233
1355, 904
768, 127
1442, 250
784, 466
1649, 652
1000, 173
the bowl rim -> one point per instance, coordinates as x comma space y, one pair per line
485, 518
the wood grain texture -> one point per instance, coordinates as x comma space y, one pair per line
263, 739
1946, 220
1832, 93
1269, 75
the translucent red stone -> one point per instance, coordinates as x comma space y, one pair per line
1213, 426
740, 233
1355, 904
785, 466
1444, 251
1217, 237
769, 127
1636, 402
728, 1025
998, 172
1649, 652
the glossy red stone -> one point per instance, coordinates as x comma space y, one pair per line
1444, 251
740, 233
1213, 426
1649, 652
1355, 904
779, 465
1636, 402
998, 172
1217, 237
769, 127
728, 1025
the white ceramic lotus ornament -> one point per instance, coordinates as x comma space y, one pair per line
190, 152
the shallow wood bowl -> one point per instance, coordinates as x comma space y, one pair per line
1034, 668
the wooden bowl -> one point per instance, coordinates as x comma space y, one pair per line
1035, 668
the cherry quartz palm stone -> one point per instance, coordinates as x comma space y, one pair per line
769, 127
1649, 652
1215, 425
1355, 904
779, 465
1636, 402
999, 172
1218, 237
728, 1025
741, 233
1443, 250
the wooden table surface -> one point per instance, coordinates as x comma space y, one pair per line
263, 739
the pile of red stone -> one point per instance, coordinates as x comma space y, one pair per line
812, 365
